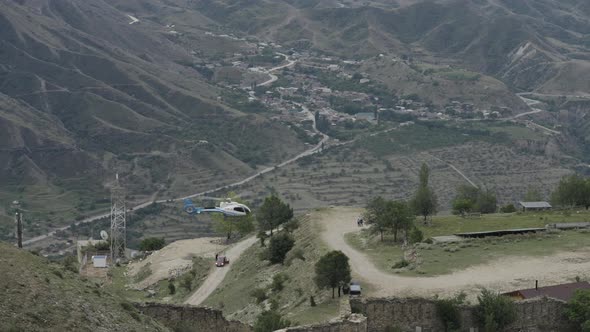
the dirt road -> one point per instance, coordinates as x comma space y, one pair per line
502, 275
216, 277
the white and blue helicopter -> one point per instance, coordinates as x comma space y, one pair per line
227, 207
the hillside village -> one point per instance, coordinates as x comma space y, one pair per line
275, 165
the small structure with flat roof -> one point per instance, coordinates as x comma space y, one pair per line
534, 206
563, 292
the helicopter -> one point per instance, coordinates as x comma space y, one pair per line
227, 207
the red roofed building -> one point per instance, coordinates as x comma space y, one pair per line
562, 292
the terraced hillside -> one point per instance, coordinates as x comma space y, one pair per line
387, 164
85, 94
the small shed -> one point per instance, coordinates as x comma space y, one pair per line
562, 292
534, 206
99, 261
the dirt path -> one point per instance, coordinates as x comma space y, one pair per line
502, 275
175, 259
216, 277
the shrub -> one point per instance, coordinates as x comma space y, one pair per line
151, 244
259, 294
510, 208
269, 321
186, 282
448, 312
296, 253
416, 235
278, 281
494, 311
578, 309
312, 301
171, 288
279, 246
401, 264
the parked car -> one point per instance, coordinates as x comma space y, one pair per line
355, 288
221, 261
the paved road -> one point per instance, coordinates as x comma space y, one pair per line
273, 78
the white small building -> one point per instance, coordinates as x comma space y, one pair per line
99, 261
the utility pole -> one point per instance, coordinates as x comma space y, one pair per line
118, 221
18, 218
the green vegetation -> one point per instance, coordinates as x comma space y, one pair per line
448, 310
273, 213
279, 246
572, 191
437, 259
470, 199
40, 295
424, 202
269, 321
393, 216
247, 289
494, 311
332, 271
152, 244
578, 310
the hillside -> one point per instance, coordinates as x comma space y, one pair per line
85, 94
41, 296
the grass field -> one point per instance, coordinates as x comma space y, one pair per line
437, 259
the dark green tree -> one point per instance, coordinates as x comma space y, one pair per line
572, 191
448, 310
269, 321
332, 271
151, 244
494, 311
377, 215
424, 201
273, 213
279, 246
462, 206
403, 218
486, 202
578, 310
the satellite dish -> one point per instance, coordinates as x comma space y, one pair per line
104, 235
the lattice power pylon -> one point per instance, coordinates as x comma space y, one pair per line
118, 221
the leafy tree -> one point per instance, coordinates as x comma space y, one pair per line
269, 321
279, 246
273, 213
403, 218
494, 311
151, 244
186, 282
572, 191
377, 217
462, 206
425, 201
332, 271
578, 309
448, 311
228, 225
487, 202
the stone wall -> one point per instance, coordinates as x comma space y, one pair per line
191, 318
354, 323
538, 315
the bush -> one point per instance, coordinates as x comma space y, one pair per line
494, 311
259, 294
296, 253
510, 208
171, 288
186, 282
578, 309
152, 244
401, 264
416, 235
269, 321
279, 246
448, 312
312, 301
278, 281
